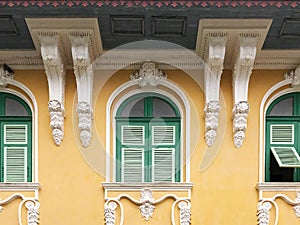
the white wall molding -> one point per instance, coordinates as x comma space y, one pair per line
241, 75
212, 76
32, 205
84, 80
55, 71
146, 203
264, 207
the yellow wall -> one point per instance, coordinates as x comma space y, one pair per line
224, 191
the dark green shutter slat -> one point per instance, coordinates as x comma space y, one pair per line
132, 165
133, 135
15, 134
282, 134
15, 164
163, 135
286, 156
163, 164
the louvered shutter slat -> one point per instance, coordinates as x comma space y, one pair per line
282, 134
132, 165
163, 135
133, 135
286, 156
15, 134
15, 164
163, 164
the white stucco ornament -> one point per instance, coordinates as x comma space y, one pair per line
55, 72
294, 75
5, 76
110, 213
146, 208
148, 76
211, 110
240, 115
212, 76
263, 213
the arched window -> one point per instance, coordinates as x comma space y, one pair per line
15, 139
283, 139
148, 139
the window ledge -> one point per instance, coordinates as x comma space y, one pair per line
153, 186
278, 186
19, 186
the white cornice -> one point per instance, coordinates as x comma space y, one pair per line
153, 186
19, 186
266, 59
64, 27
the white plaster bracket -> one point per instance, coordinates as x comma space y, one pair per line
84, 80
212, 76
55, 71
148, 76
242, 71
294, 75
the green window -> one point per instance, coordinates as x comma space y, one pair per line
283, 139
148, 140
15, 139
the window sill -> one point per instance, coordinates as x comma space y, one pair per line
278, 186
19, 186
154, 186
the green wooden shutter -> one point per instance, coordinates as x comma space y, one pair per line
15, 152
282, 134
132, 165
15, 134
15, 164
133, 135
163, 135
163, 165
164, 146
286, 156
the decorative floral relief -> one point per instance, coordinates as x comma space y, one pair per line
146, 208
148, 76
56, 120
263, 213
211, 110
85, 117
109, 213
240, 115
146, 205
5, 76
297, 207
185, 213
294, 75
33, 212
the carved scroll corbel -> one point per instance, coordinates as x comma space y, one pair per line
212, 76
55, 72
242, 71
84, 80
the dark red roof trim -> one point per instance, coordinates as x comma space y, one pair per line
157, 3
